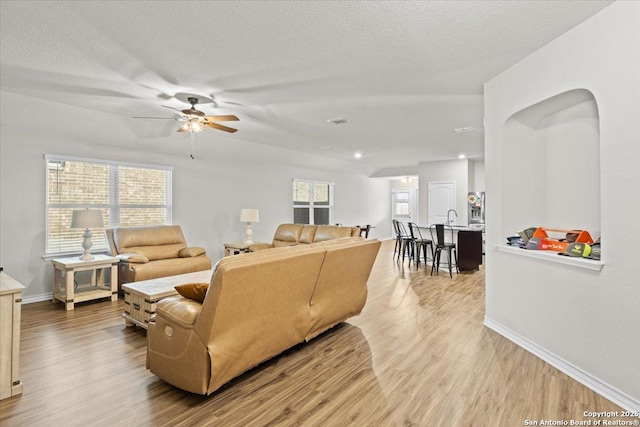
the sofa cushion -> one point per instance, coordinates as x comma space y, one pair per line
308, 233
192, 251
289, 233
156, 242
329, 232
335, 242
194, 291
341, 288
159, 252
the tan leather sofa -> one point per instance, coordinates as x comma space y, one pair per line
258, 305
305, 234
152, 252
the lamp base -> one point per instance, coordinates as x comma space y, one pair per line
86, 245
249, 235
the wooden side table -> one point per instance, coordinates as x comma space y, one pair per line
65, 289
10, 306
236, 248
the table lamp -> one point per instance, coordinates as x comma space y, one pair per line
249, 216
87, 219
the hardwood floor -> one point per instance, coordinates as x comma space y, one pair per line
418, 355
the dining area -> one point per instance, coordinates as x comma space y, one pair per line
454, 247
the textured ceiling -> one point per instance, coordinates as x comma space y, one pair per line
404, 74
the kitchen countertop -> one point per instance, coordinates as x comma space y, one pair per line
462, 227
468, 228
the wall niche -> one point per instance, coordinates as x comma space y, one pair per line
550, 165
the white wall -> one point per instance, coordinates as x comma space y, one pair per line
400, 183
208, 192
586, 322
452, 170
478, 176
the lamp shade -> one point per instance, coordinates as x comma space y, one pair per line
249, 215
86, 218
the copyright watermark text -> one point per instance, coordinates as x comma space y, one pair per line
592, 418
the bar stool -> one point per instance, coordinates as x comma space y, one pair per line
404, 242
364, 230
438, 236
420, 243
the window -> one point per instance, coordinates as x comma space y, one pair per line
127, 195
401, 204
312, 202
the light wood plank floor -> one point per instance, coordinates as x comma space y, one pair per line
418, 355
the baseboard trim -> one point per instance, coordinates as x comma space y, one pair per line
37, 298
602, 388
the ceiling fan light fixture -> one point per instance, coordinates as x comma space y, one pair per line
195, 125
195, 121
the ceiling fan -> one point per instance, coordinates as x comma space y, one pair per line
195, 120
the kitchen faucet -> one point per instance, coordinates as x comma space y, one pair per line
450, 222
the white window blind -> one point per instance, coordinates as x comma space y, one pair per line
312, 202
127, 195
401, 203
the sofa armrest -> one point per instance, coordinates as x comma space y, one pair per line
133, 258
179, 310
191, 252
260, 246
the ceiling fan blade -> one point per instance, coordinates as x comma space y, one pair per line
157, 118
227, 118
180, 129
166, 106
220, 127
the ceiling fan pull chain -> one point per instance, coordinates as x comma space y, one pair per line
193, 145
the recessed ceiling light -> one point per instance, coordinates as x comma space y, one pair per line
338, 121
465, 129
461, 156
357, 155
329, 147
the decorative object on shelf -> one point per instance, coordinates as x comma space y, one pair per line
86, 219
249, 216
559, 244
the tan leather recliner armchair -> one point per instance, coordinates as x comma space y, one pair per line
152, 252
305, 234
258, 305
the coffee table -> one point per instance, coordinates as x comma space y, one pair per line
140, 298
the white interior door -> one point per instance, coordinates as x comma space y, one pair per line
403, 206
442, 197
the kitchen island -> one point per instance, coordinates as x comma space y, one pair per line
469, 245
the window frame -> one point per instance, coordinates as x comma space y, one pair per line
311, 206
113, 205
